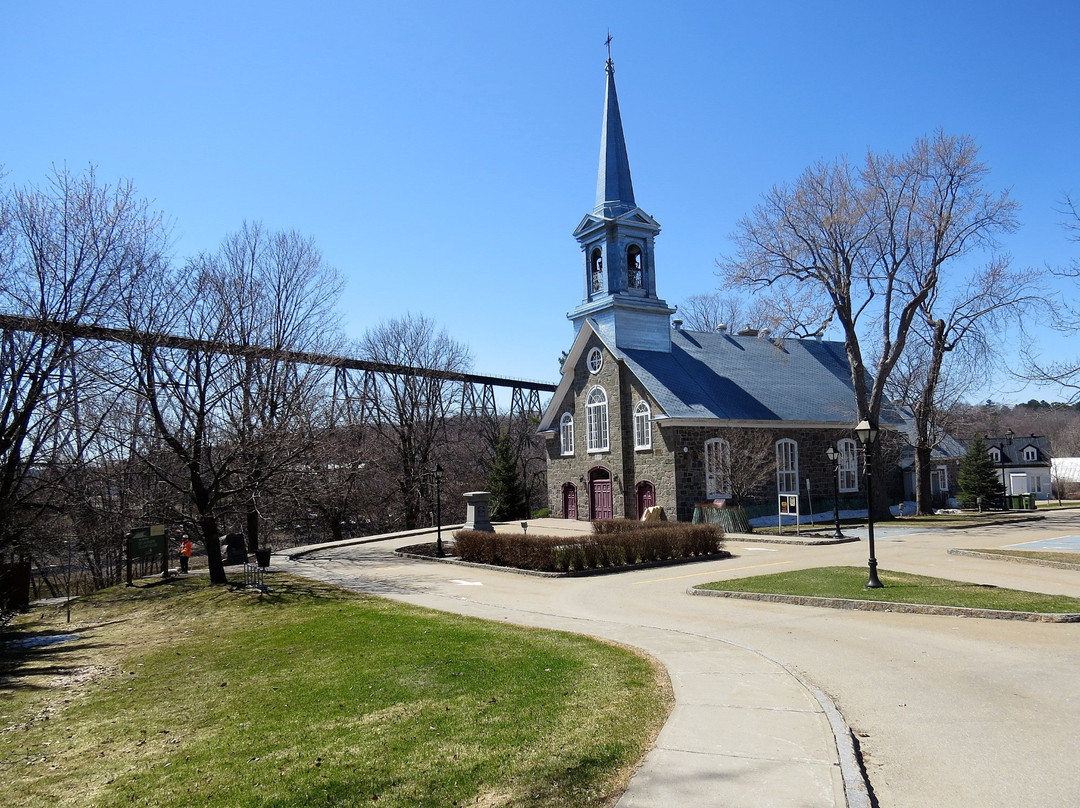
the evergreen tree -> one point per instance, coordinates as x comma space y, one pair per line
508, 500
977, 476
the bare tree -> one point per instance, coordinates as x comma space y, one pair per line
216, 426
1066, 319
753, 462
67, 252
284, 298
959, 326
711, 310
871, 243
412, 409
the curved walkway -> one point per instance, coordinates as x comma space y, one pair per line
745, 730
948, 711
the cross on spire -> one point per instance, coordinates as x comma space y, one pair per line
608, 43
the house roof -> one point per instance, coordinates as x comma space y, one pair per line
1013, 450
947, 448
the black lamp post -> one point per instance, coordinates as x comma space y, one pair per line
438, 511
834, 460
867, 434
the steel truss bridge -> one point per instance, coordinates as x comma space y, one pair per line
355, 383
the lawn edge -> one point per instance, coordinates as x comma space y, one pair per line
884, 606
1037, 562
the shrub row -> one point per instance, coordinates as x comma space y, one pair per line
604, 527
617, 547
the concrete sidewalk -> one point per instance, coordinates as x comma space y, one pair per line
745, 730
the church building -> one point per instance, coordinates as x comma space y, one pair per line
649, 413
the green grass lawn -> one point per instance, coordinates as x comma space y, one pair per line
900, 587
181, 693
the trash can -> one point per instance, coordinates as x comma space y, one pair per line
262, 557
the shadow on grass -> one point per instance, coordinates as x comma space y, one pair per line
31, 655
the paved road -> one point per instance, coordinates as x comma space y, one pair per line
948, 711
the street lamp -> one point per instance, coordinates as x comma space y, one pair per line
438, 472
834, 460
867, 434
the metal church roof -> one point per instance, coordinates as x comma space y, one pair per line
721, 376
614, 188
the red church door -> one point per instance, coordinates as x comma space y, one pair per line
569, 501
600, 506
646, 497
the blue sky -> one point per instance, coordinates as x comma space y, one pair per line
441, 154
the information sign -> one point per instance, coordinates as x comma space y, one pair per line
146, 541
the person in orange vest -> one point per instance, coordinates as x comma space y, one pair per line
185, 553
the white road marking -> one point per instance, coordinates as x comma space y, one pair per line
459, 582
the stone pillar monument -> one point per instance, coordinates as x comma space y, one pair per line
476, 514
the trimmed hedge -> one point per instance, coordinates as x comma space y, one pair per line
614, 543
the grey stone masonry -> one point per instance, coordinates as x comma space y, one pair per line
476, 511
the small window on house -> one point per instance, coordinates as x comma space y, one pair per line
596, 269
635, 271
1030, 455
717, 468
595, 360
596, 420
642, 426
787, 466
995, 454
566, 433
848, 472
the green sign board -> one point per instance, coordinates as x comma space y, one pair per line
146, 541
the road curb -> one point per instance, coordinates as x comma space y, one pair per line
881, 606
1035, 562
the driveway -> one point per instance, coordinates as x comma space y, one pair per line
947, 711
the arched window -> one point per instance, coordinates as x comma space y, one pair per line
848, 465
717, 468
566, 433
596, 420
642, 426
596, 269
787, 466
995, 454
635, 267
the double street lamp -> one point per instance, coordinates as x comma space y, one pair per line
867, 434
834, 459
438, 472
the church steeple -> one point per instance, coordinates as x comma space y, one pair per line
614, 188
617, 240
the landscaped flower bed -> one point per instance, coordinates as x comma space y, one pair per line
614, 543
